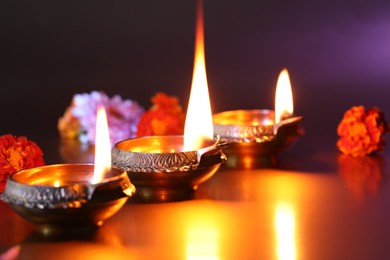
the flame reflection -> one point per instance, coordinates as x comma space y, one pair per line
202, 242
285, 231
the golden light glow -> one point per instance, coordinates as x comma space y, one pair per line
102, 147
202, 243
285, 231
199, 124
57, 183
284, 106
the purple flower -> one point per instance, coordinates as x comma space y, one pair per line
122, 115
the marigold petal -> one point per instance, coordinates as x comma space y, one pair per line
361, 131
17, 153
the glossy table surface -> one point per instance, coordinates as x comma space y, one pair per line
317, 205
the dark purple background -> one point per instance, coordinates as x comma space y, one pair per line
337, 53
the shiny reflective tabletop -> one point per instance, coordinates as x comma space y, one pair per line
320, 205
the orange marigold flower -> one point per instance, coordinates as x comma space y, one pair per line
17, 153
68, 125
361, 132
164, 117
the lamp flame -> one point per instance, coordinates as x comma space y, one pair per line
199, 123
102, 147
284, 106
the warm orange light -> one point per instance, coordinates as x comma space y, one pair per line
284, 106
102, 147
199, 124
285, 231
203, 237
202, 243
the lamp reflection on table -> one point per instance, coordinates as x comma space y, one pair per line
362, 175
286, 194
202, 241
285, 231
103, 243
13, 227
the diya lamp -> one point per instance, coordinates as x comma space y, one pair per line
63, 197
166, 168
257, 136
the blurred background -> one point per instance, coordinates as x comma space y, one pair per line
337, 53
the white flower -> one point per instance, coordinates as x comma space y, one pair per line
122, 115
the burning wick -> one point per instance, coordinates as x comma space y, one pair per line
102, 147
199, 123
284, 107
